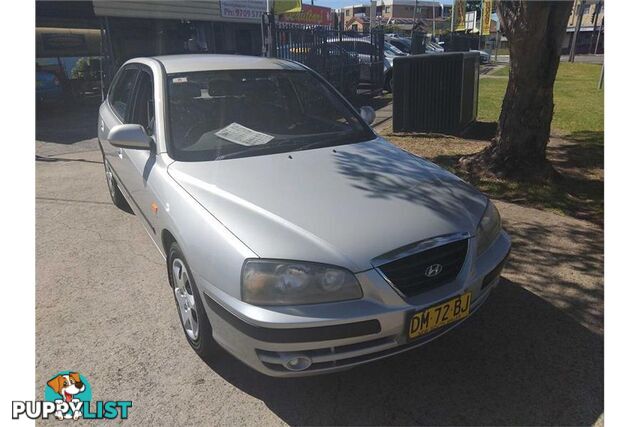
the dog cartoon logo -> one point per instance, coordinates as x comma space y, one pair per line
67, 396
71, 388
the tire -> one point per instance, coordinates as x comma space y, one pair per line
114, 191
189, 305
388, 83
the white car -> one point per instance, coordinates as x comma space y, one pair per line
294, 236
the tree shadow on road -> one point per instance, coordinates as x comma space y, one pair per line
562, 261
518, 361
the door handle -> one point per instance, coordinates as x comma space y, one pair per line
120, 152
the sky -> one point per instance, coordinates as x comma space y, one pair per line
334, 4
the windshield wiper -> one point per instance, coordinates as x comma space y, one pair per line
312, 145
251, 150
291, 145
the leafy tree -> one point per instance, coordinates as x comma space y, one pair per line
81, 68
535, 30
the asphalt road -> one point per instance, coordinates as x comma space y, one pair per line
533, 355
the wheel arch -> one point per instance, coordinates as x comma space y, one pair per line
167, 238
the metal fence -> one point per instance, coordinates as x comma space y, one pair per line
347, 59
435, 93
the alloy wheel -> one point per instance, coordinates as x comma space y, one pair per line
185, 299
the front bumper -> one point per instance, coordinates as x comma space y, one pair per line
341, 335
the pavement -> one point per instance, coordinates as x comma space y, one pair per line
533, 355
586, 58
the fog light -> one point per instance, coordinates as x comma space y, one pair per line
297, 363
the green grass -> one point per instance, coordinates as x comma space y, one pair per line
577, 156
579, 104
501, 72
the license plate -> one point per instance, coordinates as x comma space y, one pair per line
424, 321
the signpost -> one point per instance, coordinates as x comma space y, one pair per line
576, 31
458, 20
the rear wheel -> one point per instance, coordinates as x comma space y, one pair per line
193, 317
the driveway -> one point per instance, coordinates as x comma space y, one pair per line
533, 355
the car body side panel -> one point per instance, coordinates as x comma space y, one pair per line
212, 250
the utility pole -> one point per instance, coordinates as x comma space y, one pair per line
453, 15
372, 17
596, 16
480, 28
433, 20
601, 81
269, 31
415, 9
576, 32
598, 38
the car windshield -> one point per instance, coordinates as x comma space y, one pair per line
215, 115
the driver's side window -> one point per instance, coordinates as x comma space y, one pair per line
143, 109
120, 93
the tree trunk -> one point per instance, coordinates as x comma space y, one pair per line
535, 30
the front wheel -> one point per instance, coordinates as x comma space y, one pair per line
388, 83
114, 191
193, 317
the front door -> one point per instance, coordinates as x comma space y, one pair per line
116, 112
139, 164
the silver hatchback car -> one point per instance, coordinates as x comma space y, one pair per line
295, 237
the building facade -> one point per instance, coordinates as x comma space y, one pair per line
357, 16
590, 36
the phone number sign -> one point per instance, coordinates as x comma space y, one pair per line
248, 9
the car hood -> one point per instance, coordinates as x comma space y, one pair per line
341, 205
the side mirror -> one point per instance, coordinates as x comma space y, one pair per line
368, 114
129, 136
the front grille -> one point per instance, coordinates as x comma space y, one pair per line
409, 274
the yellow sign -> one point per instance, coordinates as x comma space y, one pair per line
486, 17
287, 6
459, 12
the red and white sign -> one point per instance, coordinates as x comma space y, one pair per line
310, 15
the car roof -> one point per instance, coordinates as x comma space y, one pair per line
210, 62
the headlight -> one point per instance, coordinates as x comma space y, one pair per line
489, 228
274, 282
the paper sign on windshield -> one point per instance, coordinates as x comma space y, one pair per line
239, 134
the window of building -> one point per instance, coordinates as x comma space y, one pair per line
387, 9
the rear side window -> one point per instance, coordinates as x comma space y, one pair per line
120, 94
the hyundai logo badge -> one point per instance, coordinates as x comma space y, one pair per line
433, 270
